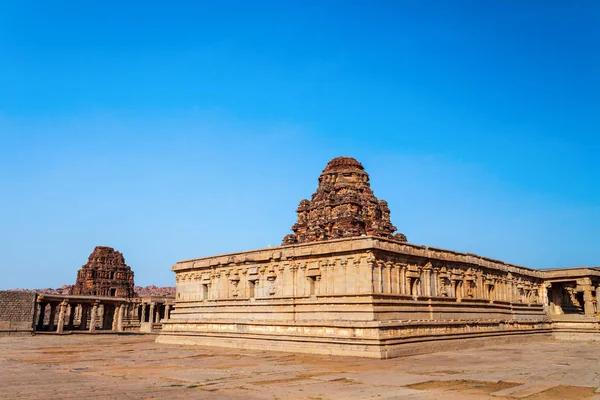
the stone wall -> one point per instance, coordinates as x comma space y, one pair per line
17, 313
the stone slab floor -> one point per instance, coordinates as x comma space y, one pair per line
134, 367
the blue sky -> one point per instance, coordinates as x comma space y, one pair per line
173, 130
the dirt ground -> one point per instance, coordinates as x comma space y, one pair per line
134, 367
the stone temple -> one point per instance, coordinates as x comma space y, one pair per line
345, 283
105, 274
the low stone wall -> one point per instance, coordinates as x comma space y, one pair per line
576, 327
17, 313
372, 340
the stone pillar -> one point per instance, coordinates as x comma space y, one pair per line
317, 285
61, 317
427, 282
85, 308
72, 308
93, 317
396, 281
588, 297
115, 320
331, 276
480, 287
388, 277
40, 325
168, 312
120, 309
52, 317
152, 305
143, 316
403, 287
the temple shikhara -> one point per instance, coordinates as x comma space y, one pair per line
343, 206
346, 283
105, 274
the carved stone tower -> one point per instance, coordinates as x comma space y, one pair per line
343, 206
105, 274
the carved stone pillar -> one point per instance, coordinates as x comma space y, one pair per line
84, 316
72, 309
53, 307
40, 325
120, 312
435, 282
331, 275
115, 318
61, 317
403, 286
427, 280
396, 279
588, 297
93, 317
388, 277
152, 306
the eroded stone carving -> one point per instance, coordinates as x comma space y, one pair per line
343, 206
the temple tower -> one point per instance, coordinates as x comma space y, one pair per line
105, 274
343, 206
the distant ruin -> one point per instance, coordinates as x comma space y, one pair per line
105, 274
102, 299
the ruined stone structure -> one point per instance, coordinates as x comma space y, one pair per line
71, 313
103, 299
343, 206
105, 274
343, 284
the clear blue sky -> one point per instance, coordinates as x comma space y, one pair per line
173, 130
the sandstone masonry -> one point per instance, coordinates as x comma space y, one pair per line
105, 274
17, 313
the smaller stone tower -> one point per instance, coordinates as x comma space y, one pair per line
105, 274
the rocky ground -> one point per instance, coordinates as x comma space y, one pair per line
106, 366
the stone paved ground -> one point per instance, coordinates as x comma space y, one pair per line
134, 367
